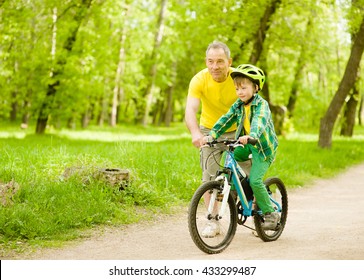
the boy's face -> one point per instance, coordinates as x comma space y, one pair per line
245, 88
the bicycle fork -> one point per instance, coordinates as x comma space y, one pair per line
225, 194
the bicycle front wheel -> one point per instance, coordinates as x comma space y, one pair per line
200, 219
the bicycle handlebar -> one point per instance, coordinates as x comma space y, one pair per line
227, 142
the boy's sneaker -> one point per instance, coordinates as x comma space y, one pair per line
270, 221
211, 230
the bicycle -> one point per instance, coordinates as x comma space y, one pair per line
230, 201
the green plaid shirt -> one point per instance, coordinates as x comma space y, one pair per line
261, 124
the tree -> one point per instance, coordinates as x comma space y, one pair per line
298, 73
347, 127
168, 114
153, 60
265, 23
116, 64
118, 88
360, 112
61, 61
348, 123
328, 121
260, 36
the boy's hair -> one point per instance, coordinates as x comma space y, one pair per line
219, 45
239, 79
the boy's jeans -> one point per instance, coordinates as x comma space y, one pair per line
257, 172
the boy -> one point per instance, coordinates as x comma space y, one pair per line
253, 118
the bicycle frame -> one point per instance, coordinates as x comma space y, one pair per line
232, 172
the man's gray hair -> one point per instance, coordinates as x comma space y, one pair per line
219, 45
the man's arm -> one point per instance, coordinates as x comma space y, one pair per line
192, 108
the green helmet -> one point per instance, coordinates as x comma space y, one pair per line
252, 72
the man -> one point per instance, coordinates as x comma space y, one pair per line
212, 89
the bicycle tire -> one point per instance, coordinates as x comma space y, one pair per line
197, 219
273, 185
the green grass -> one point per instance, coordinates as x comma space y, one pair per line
300, 161
164, 168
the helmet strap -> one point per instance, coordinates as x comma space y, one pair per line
250, 100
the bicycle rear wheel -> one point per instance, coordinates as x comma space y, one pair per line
198, 218
279, 200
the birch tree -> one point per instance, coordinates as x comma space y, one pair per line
153, 59
118, 88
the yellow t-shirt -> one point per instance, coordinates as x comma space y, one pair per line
247, 119
216, 98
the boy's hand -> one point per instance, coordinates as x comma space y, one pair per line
244, 139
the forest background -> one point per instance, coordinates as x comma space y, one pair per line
77, 63
120, 69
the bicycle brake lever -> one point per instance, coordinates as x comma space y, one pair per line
252, 141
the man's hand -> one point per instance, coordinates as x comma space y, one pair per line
197, 139
206, 139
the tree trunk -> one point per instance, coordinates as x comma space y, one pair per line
328, 121
47, 104
347, 127
118, 89
261, 34
157, 112
26, 114
71, 124
14, 95
348, 123
278, 111
14, 107
168, 115
361, 112
153, 70
298, 74
103, 103
169, 110
45, 111
85, 119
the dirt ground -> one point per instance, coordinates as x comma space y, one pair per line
325, 222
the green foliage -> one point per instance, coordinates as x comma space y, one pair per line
29, 31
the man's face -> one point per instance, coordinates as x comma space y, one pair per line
218, 64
